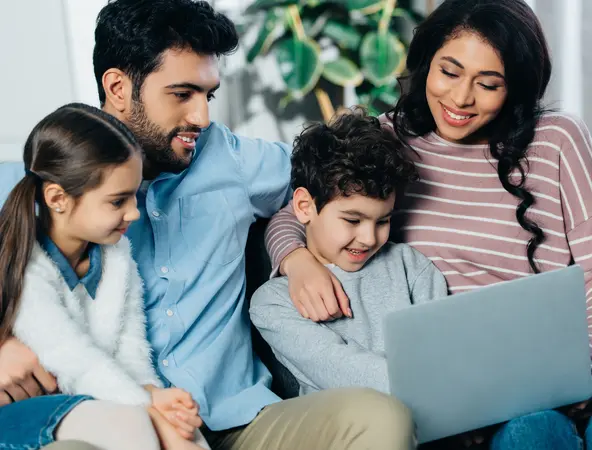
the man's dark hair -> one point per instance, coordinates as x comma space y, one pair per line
353, 154
132, 35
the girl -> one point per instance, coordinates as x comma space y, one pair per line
70, 290
505, 189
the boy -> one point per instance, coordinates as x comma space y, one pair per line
345, 177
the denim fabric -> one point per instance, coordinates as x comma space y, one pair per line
545, 430
30, 424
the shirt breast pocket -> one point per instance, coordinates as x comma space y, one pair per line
208, 228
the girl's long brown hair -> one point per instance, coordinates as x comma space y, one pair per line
69, 147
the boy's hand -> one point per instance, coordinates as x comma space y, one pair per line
317, 294
179, 409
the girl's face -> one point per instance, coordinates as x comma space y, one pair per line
465, 88
103, 214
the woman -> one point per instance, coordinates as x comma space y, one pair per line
506, 188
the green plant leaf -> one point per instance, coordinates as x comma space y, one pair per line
388, 94
345, 36
343, 72
315, 25
365, 6
260, 5
382, 56
273, 26
300, 65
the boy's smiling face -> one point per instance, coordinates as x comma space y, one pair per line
348, 231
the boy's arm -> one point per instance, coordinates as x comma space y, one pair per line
314, 354
428, 285
425, 281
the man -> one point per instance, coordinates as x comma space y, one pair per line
156, 66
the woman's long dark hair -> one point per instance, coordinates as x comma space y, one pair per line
69, 147
513, 30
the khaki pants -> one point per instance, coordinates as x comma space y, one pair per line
335, 419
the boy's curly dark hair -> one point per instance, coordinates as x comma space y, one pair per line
353, 154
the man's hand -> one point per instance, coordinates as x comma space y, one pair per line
178, 408
21, 375
316, 293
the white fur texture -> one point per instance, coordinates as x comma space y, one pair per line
94, 347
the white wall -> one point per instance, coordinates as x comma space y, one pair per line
46, 48
35, 72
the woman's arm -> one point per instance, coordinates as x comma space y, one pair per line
575, 185
316, 293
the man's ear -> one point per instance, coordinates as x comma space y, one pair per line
118, 89
304, 205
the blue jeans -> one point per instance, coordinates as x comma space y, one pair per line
31, 424
545, 430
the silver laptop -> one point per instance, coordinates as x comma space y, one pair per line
484, 357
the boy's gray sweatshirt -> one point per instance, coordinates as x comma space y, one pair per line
346, 352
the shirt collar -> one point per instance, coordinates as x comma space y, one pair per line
91, 280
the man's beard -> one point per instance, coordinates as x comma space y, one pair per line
156, 142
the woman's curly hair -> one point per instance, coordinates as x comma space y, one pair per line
513, 30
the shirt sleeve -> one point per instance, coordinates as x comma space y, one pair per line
66, 350
284, 234
266, 170
575, 185
313, 353
134, 352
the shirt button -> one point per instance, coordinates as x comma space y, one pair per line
165, 362
164, 269
169, 313
155, 213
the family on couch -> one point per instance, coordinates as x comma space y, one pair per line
146, 199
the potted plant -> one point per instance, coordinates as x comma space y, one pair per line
353, 44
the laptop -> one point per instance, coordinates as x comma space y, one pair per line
484, 357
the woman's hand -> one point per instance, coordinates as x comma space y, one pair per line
317, 294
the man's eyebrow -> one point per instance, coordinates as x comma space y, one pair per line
191, 86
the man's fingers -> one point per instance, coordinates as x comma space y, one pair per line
193, 411
342, 298
5, 399
176, 418
193, 420
31, 387
16, 392
46, 380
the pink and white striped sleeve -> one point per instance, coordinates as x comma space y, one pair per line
284, 234
575, 184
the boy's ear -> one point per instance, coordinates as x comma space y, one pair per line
304, 206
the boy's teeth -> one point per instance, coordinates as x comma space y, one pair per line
185, 139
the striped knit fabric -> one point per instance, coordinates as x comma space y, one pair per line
460, 216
